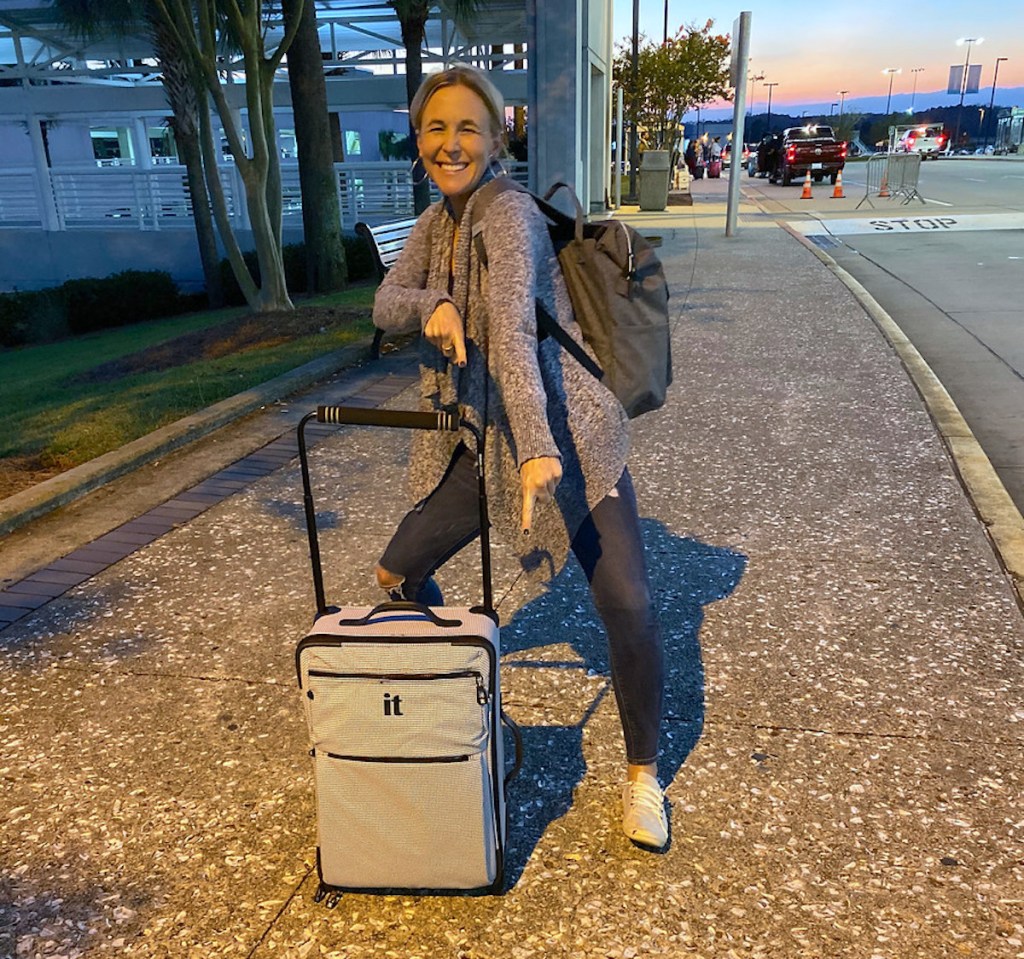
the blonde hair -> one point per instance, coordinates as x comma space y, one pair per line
465, 76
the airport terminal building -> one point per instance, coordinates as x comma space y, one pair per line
90, 181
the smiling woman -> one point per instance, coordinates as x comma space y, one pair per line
555, 438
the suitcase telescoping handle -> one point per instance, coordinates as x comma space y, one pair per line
444, 420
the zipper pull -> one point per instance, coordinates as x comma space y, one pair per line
481, 691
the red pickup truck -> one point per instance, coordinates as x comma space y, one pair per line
813, 148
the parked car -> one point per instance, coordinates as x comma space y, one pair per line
813, 149
928, 139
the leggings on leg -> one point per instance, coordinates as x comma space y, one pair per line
610, 549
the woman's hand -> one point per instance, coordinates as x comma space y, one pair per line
539, 477
444, 331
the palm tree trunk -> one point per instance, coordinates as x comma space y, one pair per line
321, 215
183, 95
413, 30
206, 233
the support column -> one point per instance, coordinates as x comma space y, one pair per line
140, 134
554, 98
44, 186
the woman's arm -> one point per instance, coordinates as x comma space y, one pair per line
403, 304
515, 237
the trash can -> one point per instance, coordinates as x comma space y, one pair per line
654, 174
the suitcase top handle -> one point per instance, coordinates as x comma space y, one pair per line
401, 606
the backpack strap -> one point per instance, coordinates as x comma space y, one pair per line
485, 196
547, 325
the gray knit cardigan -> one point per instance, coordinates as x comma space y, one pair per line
536, 399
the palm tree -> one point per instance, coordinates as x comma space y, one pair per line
412, 17
87, 18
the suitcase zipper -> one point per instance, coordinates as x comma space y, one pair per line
399, 759
482, 696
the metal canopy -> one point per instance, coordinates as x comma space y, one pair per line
34, 44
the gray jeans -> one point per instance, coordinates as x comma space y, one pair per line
610, 549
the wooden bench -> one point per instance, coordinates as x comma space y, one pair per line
385, 241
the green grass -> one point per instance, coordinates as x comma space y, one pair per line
46, 413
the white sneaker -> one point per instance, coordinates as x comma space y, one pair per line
643, 812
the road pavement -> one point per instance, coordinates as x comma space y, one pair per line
844, 725
949, 272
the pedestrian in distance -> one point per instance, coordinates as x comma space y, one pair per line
715, 158
690, 156
555, 438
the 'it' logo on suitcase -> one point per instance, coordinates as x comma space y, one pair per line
392, 705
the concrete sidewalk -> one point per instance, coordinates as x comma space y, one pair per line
845, 717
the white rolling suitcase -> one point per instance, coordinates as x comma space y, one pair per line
403, 706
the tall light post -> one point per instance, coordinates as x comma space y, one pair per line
832, 108
963, 83
754, 78
913, 95
634, 88
842, 99
769, 86
892, 71
992, 102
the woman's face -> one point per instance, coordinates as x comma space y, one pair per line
455, 140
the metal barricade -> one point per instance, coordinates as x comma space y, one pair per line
892, 175
904, 174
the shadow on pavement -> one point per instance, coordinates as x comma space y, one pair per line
686, 575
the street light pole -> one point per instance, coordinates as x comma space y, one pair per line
892, 71
913, 96
963, 84
633, 110
842, 99
769, 86
753, 79
992, 102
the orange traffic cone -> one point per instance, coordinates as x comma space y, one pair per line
806, 195
884, 191
837, 193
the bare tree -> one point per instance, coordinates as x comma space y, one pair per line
200, 27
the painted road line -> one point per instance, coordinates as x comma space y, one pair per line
898, 225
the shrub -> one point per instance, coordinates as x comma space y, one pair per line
120, 299
37, 316
85, 305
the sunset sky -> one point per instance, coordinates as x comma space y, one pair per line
814, 50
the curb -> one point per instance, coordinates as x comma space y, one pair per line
996, 510
30, 504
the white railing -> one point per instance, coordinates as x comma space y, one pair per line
128, 197
19, 199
